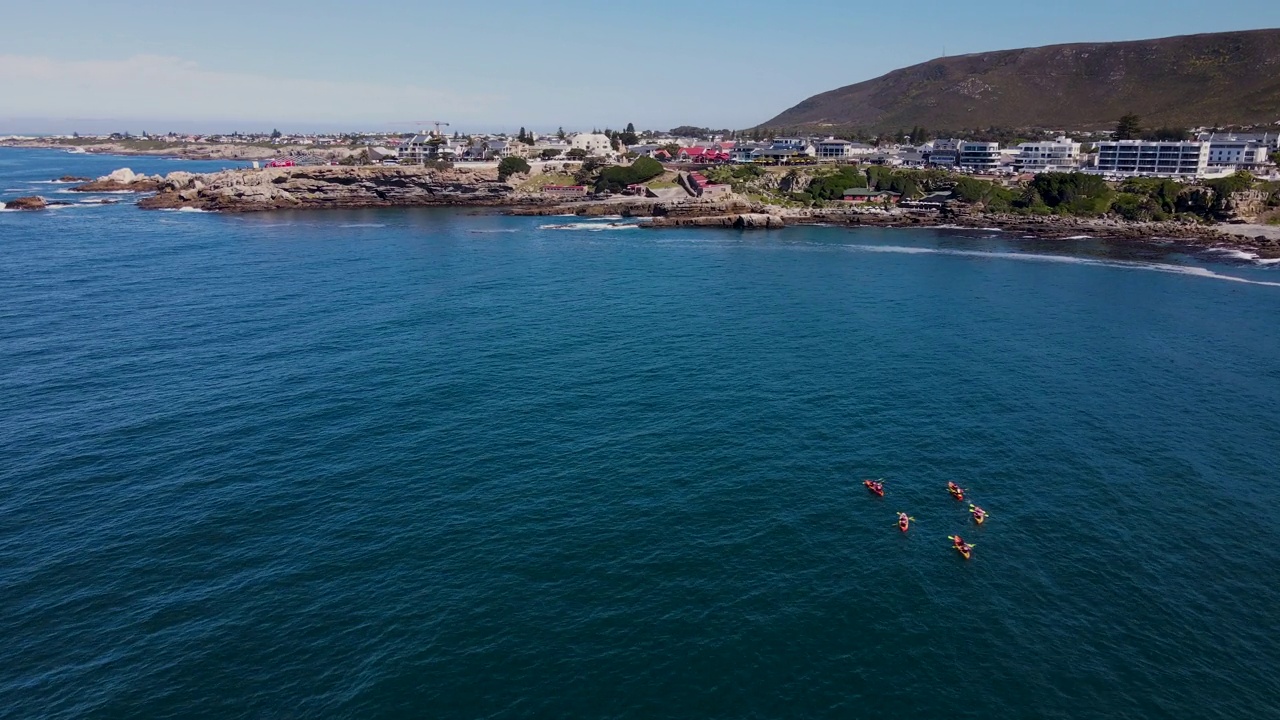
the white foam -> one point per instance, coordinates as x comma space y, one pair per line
363, 225
589, 227
493, 232
1233, 253
1032, 257
1078, 237
184, 210
96, 192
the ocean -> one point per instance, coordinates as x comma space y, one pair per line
434, 463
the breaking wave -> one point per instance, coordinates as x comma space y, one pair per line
1064, 259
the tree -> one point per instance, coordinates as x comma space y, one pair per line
560, 133
511, 166
1167, 133
1275, 157
521, 136
672, 149
628, 136
576, 154
1129, 127
549, 153
275, 134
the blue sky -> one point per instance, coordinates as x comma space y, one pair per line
501, 65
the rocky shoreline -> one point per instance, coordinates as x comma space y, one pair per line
379, 187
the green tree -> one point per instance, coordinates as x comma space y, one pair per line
549, 153
1275, 157
628, 136
510, 166
560, 133
1129, 127
276, 134
576, 154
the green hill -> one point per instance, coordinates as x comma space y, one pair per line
1210, 79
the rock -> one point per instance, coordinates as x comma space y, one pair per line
755, 221
332, 186
31, 202
71, 179
124, 176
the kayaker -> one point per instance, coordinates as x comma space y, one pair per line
903, 522
978, 513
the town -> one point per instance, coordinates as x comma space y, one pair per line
1202, 153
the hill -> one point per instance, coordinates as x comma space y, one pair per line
1209, 79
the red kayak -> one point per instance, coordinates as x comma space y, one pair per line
875, 487
956, 491
904, 522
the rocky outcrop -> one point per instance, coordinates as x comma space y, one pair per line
31, 202
329, 187
72, 179
123, 179
741, 221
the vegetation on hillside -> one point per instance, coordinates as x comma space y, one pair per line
1099, 83
616, 178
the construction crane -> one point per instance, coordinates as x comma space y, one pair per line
438, 123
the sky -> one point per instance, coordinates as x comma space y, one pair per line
384, 65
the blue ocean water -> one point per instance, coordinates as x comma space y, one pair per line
429, 463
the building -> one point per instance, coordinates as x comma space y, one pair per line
946, 151
979, 156
1240, 152
565, 190
863, 196
421, 148
597, 144
1156, 158
699, 186
1270, 141
833, 149
1060, 155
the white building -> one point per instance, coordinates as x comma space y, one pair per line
1230, 151
593, 143
946, 151
979, 156
424, 147
833, 149
1156, 158
1048, 156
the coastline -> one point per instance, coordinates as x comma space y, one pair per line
321, 187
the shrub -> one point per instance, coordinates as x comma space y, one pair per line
832, 187
618, 177
511, 166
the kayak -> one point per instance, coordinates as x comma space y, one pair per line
956, 493
964, 551
903, 524
979, 518
871, 486
962, 547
